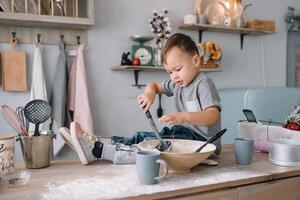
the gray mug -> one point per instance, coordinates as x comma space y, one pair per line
147, 166
243, 150
202, 19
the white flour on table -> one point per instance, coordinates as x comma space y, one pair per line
123, 182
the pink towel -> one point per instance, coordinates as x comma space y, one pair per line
78, 93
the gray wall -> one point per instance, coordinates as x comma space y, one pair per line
262, 63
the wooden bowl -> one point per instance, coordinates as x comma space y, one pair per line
181, 158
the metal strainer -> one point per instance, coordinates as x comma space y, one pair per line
37, 112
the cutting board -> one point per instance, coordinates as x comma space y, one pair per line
14, 77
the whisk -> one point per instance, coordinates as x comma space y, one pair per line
10, 116
20, 114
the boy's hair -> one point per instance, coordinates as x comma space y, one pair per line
184, 42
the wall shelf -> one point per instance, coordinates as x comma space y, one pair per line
74, 14
34, 20
241, 31
153, 68
137, 69
27, 18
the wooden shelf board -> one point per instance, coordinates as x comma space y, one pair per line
153, 68
133, 68
211, 69
207, 27
21, 19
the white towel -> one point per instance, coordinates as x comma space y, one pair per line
38, 85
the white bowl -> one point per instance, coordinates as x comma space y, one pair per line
181, 158
15, 179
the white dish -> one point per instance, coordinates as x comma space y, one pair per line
214, 13
16, 179
20, 6
5, 5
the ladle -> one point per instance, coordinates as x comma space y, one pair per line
162, 145
213, 138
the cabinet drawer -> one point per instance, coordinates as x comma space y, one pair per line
229, 194
275, 190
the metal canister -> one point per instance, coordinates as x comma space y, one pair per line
37, 150
285, 152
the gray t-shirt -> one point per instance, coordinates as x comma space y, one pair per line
200, 94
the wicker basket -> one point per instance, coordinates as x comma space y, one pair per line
258, 24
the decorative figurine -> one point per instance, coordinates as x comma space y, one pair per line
210, 53
125, 60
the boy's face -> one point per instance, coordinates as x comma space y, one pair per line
181, 66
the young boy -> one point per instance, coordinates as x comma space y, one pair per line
196, 99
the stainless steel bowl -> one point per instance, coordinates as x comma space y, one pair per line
285, 152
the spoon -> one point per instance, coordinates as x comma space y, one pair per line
213, 138
162, 145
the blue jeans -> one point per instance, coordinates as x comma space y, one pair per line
176, 132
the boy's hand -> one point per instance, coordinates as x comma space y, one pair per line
173, 118
146, 100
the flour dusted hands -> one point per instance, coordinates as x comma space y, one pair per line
146, 100
174, 118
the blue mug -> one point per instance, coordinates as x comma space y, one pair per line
243, 150
147, 166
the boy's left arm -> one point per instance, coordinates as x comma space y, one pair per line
210, 116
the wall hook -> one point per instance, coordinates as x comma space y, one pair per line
13, 34
78, 39
38, 38
13, 41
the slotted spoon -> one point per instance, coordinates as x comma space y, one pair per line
37, 112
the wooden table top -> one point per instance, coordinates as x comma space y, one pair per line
102, 180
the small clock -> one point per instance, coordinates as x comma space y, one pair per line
144, 53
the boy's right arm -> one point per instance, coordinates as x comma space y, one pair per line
147, 98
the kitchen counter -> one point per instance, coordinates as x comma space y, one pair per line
102, 180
